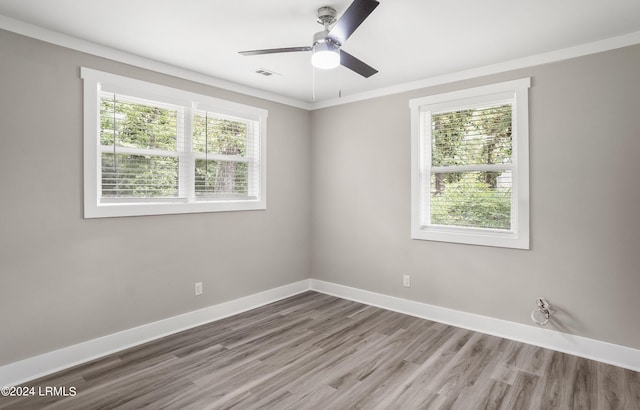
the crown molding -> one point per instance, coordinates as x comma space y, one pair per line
54, 37
530, 61
74, 43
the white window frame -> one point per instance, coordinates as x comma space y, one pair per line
95, 81
421, 168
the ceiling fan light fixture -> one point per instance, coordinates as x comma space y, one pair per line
325, 55
326, 52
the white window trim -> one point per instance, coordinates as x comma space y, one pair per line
95, 80
518, 236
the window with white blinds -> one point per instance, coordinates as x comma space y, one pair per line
470, 166
226, 154
151, 149
140, 148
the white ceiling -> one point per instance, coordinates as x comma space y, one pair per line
406, 40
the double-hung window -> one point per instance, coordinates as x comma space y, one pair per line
470, 159
151, 149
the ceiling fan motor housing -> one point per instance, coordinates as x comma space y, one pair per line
326, 16
321, 37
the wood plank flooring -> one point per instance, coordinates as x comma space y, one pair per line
314, 351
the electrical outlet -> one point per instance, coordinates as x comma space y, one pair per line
198, 288
406, 281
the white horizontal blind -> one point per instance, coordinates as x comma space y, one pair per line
144, 146
470, 172
140, 144
226, 153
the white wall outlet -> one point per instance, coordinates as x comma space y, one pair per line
406, 281
198, 288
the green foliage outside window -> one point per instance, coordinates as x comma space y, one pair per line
472, 137
471, 202
139, 126
217, 136
132, 125
136, 125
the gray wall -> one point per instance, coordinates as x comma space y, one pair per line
585, 196
64, 279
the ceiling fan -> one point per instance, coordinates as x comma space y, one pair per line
326, 47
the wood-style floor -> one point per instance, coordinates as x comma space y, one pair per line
314, 351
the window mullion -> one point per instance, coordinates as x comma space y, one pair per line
426, 165
219, 157
138, 151
471, 168
252, 140
187, 161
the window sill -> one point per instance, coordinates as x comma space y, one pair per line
110, 210
471, 236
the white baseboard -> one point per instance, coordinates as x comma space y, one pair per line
563, 342
22, 371
19, 372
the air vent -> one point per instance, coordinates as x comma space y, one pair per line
265, 72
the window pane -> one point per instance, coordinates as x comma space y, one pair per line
139, 176
137, 125
471, 199
215, 135
470, 137
222, 179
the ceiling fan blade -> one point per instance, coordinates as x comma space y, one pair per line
274, 51
356, 65
357, 12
